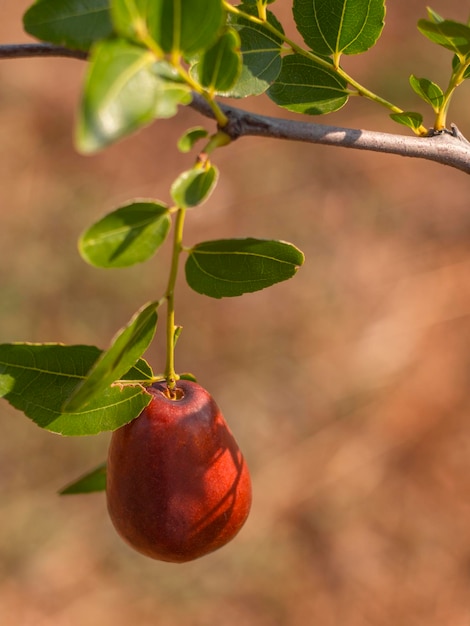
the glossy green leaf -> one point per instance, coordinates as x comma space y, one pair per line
408, 118
128, 235
219, 66
187, 141
232, 267
428, 91
72, 23
451, 35
38, 378
261, 54
185, 26
194, 186
125, 89
126, 348
333, 27
304, 86
88, 483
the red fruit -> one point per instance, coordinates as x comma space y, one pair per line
178, 486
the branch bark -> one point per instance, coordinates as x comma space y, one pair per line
446, 148
25, 50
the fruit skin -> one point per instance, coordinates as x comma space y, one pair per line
178, 486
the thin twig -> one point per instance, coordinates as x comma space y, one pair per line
447, 148
25, 50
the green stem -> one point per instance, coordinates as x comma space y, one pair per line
175, 60
261, 10
170, 373
221, 118
455, 80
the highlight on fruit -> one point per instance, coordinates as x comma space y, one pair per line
178, 486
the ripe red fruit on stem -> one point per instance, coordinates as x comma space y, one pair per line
178, 486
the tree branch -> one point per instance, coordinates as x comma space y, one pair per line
25, 50
447, 148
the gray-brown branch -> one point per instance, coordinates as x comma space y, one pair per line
447, 148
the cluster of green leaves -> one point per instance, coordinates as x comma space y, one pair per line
454, 36
165, 50
147, 58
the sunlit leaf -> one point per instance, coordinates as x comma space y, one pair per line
332, 27
131, 18
428, 91
194, 186
126, 348
38, 378
449, 34
434, 16
219, 66
125, 89
172, 91
304, 86
261, 54
187, 141
456, 63
232, 267
185, 26
71, 23
408, 118
128, 235
88, 483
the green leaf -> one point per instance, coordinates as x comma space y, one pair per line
219, 66
456, 65
185, 26
304, 86
428, 91
190, 137
38, 378
128, 235
194, 186
188, 376
72, 23
333, 27
408, 118
125, 89
232, 267
131, 18
126, 348
177, 334
88, 483
110, 107
261, 54
434, 16
172, 91
451, 35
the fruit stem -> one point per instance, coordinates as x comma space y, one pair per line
171, 329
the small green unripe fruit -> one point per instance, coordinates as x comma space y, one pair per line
178, 486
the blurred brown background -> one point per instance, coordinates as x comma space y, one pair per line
347, 387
